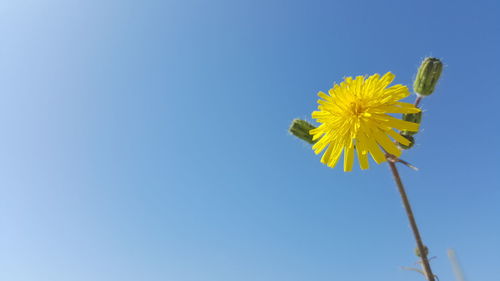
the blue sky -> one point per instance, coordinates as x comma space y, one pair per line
147, 140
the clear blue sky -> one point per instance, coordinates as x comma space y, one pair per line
147, 140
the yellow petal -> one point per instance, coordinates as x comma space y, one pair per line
326, 156
399, 138
348, 158
335, 156
395, 109
408, 105
401, 124
320, 145
387, 144
387, 79
362, 154
375, 151
324, 96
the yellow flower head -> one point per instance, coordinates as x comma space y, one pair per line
354, 116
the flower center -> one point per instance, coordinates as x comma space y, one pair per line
357, 108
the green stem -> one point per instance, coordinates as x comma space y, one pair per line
413, 223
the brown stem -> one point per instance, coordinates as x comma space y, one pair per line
417, 101
413, 223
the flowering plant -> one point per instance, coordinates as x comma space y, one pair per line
354, 118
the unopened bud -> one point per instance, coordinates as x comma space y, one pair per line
410, 138
414, 118
300, 128
427, 76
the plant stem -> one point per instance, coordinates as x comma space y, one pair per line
417, 101
423, 255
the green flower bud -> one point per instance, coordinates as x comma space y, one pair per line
427, 76
300, 128
414, 118
408, 137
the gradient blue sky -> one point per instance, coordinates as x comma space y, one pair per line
147, 140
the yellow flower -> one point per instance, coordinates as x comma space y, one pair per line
354, 116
